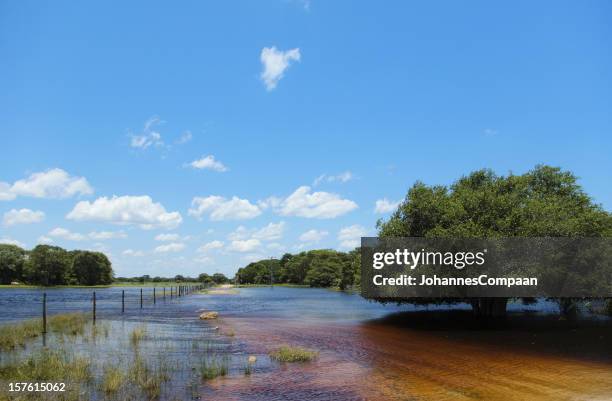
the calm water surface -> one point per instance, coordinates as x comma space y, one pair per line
366, 350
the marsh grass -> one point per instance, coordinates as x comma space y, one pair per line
46, 364
112, 379
293, 354
212, 367
137, 335
16, 335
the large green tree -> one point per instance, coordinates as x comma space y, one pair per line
91, 268
48, 265
544, 202
12, 260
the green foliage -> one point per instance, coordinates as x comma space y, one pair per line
52, 265
12, 260
316, 268
91, 268
293, 354
219, 278
544, 202
48, 265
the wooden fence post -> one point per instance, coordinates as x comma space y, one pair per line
122, 301
94, 307
153, 295
164, 293
44, 313
141, 298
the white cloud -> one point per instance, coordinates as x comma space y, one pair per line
102, 235
313, 235
149, 136
53, 184
216, 244
204, 260
45, 240
10, 241
490, 132
350, 237
139, 210
167, 237
208, 163
275, 62
342, 177
186, 137
131, 252
22, 216
171, 247
5, 192
385, 206
64, 233
219, 208
272, 231
319, 205
248, 245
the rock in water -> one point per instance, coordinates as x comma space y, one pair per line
209, 315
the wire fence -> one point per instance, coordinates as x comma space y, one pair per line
111, 302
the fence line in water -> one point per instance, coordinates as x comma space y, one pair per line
178, 291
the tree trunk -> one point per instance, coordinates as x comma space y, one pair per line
489, 307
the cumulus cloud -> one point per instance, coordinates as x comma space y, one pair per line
149, 136
22, 216
208, 163
186, 137
313, 235
385, 206
5, 192
350, 237
272, 231
342, 177
140, 210
209, 246
45, 240
318, 205
102, 235
171, 247
60, 232
204, 260
274, 63
51, 184
131, 252
167, 237
10, 241
248, 245
219, 208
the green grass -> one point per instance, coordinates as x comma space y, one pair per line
213, 367
16, 335
46, 364
293, 354
112, 379
137, 335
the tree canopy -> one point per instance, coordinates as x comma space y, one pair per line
544, 202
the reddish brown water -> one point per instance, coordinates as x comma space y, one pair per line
413, 357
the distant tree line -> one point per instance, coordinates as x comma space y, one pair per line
315, 268
51, 265
217, 278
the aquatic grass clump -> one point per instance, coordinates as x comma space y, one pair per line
148, 379
137, 335
46, 364
293, 354
211, 368
16, 335
112, 379
68, 323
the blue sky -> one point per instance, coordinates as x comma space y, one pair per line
237, 130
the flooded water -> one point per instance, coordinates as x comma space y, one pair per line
366, 350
